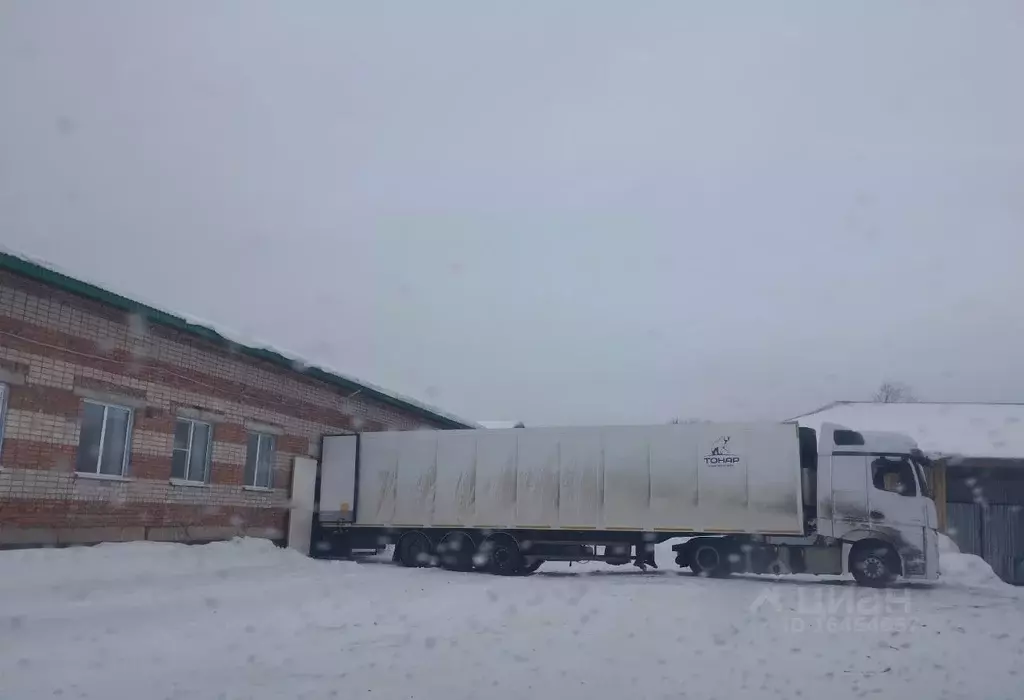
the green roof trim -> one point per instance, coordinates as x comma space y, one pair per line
45, 275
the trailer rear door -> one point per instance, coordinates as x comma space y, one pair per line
338, 476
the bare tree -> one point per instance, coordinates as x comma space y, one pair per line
894, 392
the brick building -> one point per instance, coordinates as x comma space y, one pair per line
122, 422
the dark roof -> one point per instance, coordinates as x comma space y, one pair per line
51, 277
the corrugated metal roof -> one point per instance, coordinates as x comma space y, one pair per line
970, 430
46, 274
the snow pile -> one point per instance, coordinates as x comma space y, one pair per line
969, 571
966, 570
947, 545
140, 562
245, 620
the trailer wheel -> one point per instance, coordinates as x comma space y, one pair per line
709, 558
413, 550
502, 555
873, 563
456, 551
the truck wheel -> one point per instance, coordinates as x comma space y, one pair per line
873, 564
532, 566
503, 555
456, 551
413, 550
709, 558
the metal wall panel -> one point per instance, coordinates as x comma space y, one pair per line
579, 489
378, 470
774, 488
1003, 539
674, 458
722, 496
537, 479
963, 525
455, 491
417, 474
496, 480
994, 533
627, 492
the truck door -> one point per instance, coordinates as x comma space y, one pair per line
848, 494
894, 497
896, 505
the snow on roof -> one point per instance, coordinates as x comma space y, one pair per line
978, 430
53, 275
499, 424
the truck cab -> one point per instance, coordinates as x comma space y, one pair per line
873, 495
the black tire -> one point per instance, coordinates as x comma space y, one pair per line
532, 566
455, 552
414, 550
503, 557
873, 564
709, 558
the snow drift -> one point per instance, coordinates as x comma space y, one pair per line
244, 619
969, 571
946, 544
140, 562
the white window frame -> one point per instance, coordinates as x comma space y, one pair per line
192, 423
103, 434
261, 436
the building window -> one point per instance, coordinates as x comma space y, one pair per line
104, 440
893, 474
191, 456
259, 460
3, 413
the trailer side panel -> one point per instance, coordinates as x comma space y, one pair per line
701, 477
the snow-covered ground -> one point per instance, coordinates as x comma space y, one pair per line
245, 620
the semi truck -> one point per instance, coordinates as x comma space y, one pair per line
748, 497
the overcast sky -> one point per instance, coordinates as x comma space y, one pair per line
560, 212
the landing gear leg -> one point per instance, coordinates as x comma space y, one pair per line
645, 557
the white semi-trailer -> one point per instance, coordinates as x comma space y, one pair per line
754, 497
